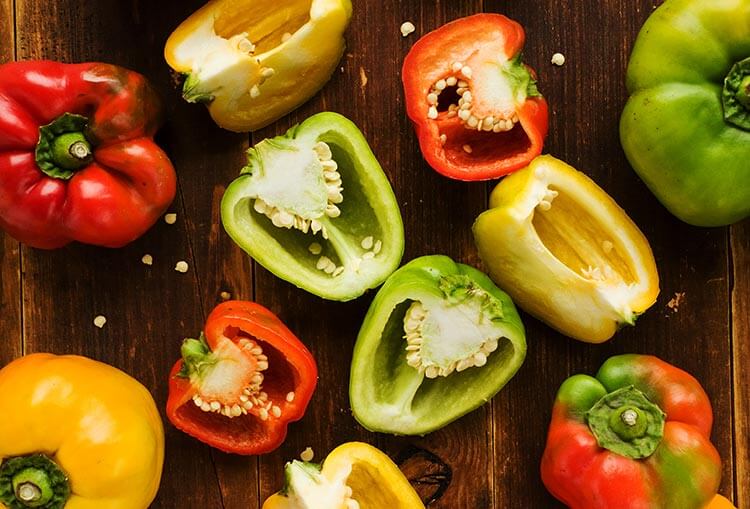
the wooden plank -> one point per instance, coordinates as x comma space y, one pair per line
586, 97
149, 309
740, 245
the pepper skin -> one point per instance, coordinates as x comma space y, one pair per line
566, 252
77, 156
95, 445
635, 437
353, 475
439, 340
254, 61
720, 502
315, 208
686, 127
238, 387
496, 121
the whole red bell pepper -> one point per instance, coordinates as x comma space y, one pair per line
238, 386
635, 437
77, 158
474, 103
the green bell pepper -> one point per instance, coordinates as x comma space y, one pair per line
439, 340
686, 126
315, 208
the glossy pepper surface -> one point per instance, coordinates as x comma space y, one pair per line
315, 208
254, 61
239, 386
77, 158
76, 444
636, 436
686, 126
352, 475
439, 340
475, 105
566, 252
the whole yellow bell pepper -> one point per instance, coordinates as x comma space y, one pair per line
254, 61
353, 476
566, 252
80, 435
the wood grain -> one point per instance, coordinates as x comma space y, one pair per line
740, 236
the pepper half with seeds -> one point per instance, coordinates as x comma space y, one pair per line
315, 208
440, 339
254, 61
238, 387
566, 252
474, 103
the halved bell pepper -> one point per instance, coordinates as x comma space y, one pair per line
474, 103
315, 208
686, 126
636, 436
566, 252
353, 476
77, 155
238, 387
80, 435
254, 61
439, 340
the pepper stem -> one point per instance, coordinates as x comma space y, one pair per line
743, 94
63, 147
33, 481
736, 95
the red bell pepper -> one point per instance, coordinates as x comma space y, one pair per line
77, 158
238, 387
474, 104
635, 437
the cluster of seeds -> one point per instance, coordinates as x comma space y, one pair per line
252, 397
549, 197
413, 321
348, 500
598, 274
371, 246
245, 45
287, 219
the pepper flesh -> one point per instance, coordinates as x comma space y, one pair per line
469, 343
579, 466
95, 176
315, 208
353, 475
566, 252
255, 61
720, 502
237, 334
498, 120
106, 437
686, 127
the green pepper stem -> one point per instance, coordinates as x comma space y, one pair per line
71, 151
736, 95
33, 481
743, 94
63, 147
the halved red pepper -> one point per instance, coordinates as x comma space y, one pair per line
238, 386
77, 156
474, 103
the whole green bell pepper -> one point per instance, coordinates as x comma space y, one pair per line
686, 126
439, 340
315, 208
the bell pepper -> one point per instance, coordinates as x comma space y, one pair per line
77, 156
238, 387
353, 476
720, 502
566, 252
474, 104
315, 208
439, 340
636, 436
80, 435
254, 61
686, 127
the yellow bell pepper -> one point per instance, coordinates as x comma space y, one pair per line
353, 476
254, 61
720, 502
79, 434
566, 252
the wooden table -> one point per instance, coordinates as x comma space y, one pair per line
49, 299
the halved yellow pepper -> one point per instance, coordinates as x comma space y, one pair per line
566, 252
353, 476
254, 61
80, 435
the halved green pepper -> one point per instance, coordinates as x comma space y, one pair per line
439, 340
314, 207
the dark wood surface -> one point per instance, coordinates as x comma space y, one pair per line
49, 299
